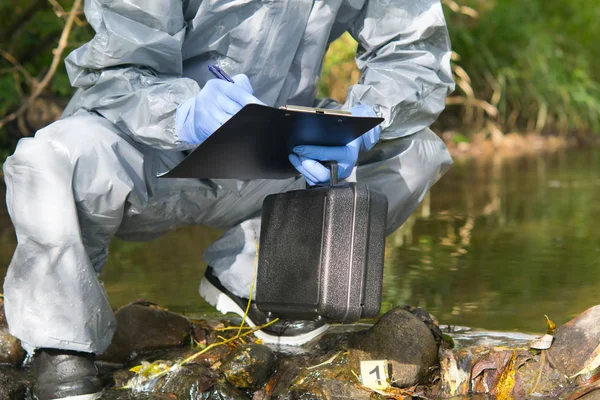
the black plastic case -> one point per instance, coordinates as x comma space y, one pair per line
321, 253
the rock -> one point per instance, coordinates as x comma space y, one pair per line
121, 377
575, 342
297, 377
328, 382
118, 394
431, 322
249, 366
11, 351
588, 391
223, 391
330, 342
287, 370
455, 367
537, 378
143, 326
403, 340
496, 373
260, 395
202, 331
595, 395
188, 382
12, 387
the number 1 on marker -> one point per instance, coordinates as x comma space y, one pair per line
374, 374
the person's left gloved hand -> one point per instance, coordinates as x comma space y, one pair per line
305, 158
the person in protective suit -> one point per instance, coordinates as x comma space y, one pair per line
145, 97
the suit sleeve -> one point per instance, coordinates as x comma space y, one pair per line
131, 71
404, 59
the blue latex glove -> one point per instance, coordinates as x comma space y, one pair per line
306, 158
197, 118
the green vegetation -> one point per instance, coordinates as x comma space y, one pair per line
535, 60
525, 66
29, 33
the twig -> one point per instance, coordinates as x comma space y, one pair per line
231, 328
482, 104
454, 6
21, 120
227, 341
239, 335
62, 44
18, 88
251, 287
203, 351
539, 376
326, 362
61, 13
11, 59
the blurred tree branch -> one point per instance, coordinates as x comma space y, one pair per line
61, 13
38, 88
9, 57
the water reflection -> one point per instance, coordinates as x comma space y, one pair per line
496, 245
502, 243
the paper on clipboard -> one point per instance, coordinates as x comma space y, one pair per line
255, 143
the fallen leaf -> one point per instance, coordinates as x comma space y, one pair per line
453, 377
551, 326
506, 383
542, 343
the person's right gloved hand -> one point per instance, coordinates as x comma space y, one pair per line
305, 158
197, 118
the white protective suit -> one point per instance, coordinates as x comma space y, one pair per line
92, 174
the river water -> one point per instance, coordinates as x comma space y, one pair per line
496, 245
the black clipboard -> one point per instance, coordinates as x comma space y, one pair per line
255, 142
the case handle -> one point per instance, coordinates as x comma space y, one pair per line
333, 171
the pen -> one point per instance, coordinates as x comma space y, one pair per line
219, 73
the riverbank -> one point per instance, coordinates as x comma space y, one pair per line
511, 145
157, 354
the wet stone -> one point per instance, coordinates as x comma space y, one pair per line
188, 382
538, 378
278, 385
13, 386
328, 382
430, 321
479, 367
575, 342
331, 342
117, 394
121, 377
224, 391
402, 339
143, 327
595, 395
11, 351
249, 366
